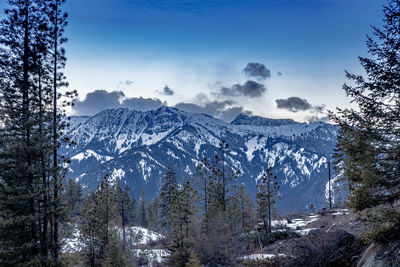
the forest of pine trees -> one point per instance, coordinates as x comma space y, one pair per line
216, 227
31, 105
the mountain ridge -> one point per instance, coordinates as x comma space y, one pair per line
134, 147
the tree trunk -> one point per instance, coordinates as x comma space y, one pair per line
55, 143
44, 243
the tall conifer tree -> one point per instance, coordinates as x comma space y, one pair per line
369, 137
267, 195
169, 185
24, 133
98, 219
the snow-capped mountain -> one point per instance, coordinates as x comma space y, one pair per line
135, 147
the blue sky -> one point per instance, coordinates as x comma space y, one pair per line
199, 46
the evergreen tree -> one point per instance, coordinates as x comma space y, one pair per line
73, 198
19, 220
26, 98
88, 230
126, 209
202, 178
246, 210
98, 220
182, 211
223, 180
57, 19
266, 198
241, 223
142, 212
153, 215
219, 239
193, 260
168, 186
114, 256
369, 137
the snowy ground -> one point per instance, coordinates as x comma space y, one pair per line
141, 236
72, 244
152, 255
260, 257
298, 225
136, 236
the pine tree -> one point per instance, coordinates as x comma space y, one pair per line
73, 198
57, 19
223, 180
217, 184
168, 186
142, 212
88, 230
266, 198
24, 135
114, 256
153, 215
193, 260
246, 210
18, 232
126, 209
241, 222
202, 178
182, 211
369, 137
98, 220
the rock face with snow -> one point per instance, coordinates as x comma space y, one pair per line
135, 147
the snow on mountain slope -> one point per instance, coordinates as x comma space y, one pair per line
75, 121
137, 146
90, 153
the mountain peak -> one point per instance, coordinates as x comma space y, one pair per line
242, 119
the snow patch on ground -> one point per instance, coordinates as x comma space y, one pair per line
141, 236
298, 225
152, 255
135, 235
72, 244
257, 257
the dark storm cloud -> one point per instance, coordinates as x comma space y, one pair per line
319, 108
100, 100
142, 104
257, 70
97, 101
250, 89
166, 91
317, 119
295, 104
225, 110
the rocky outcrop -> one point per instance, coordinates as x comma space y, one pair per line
381, 255
318, 248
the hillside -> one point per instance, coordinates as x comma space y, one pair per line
135, 147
